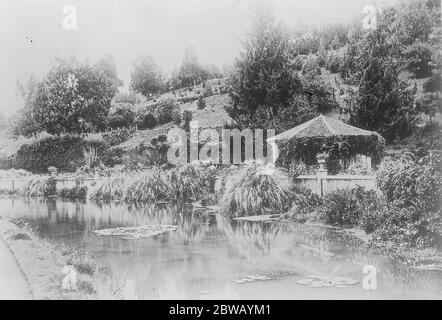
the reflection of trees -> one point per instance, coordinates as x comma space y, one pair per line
255, 239
89, 216
192, 226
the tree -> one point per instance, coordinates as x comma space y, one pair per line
381, 102
191, 70
415, 22
73, 97
146, 76
23, 122
145, 119
108, 68
322, 53
263, 76
266, 88
320, 93
335, 43
166, 109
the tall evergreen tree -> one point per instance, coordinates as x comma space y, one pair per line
382, 102
263, 77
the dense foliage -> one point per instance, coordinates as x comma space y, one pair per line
121, 115
64, 152
382, 102
407, 213
146, 77
272, 86
187, 183
73, 97
336, 148
346, 207
256, 189
191, 71
166, 109
407, 36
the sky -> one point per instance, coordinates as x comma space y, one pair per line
33, 33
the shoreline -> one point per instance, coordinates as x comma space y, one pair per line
42, 264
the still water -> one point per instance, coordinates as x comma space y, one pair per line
209, 255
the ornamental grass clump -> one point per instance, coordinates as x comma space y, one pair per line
187, 183
35, 188
151, 187
113, 189
256, 189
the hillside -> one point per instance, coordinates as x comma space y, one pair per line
213, 115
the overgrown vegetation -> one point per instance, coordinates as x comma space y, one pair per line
151, 187
113, 189
413, 190
187, 183
407, 213
346, 207
256, 189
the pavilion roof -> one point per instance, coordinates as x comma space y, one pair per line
321, 127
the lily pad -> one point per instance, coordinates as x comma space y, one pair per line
253, 278
320, 282
130, 233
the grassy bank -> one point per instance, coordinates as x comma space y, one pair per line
42, 263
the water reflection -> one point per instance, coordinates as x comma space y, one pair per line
207, 253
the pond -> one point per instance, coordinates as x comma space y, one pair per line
211, 257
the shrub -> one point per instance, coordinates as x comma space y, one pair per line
412, 226
341, 208
372, 218
121, 115
306, 199
255, 190
113, 189
151, 187
406, 179
413, 187
64, 152
165, 110
79, 192
201, 104
35, 188
334, 63
147, 121
187, 183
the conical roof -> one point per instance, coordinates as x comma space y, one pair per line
321, 127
